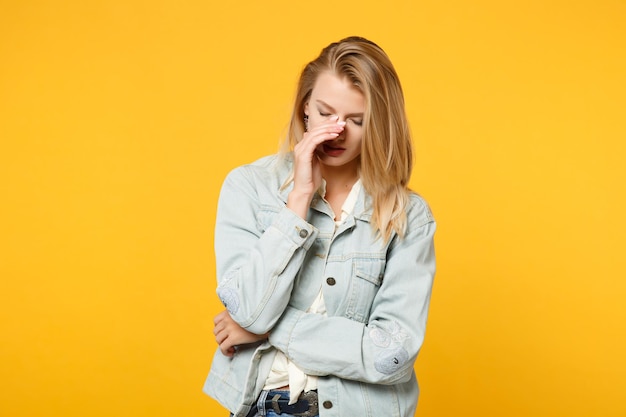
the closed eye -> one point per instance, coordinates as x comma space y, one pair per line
324, 114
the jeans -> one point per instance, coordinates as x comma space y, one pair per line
261, 411
272, 413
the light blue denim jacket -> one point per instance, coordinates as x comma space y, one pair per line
270, 267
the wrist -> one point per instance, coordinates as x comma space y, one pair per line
299, 202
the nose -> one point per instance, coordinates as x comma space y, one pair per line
342, 134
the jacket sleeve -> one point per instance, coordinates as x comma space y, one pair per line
255, 267
384, 349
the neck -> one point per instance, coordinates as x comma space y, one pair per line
339, 178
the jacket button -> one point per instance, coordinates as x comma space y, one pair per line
331, 281
303, 233
327, 404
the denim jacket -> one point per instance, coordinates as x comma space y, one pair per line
270, 266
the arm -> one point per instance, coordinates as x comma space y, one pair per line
256, 268
384, 349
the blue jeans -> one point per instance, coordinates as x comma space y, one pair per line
272, 413
261, 411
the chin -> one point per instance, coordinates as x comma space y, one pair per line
337, 162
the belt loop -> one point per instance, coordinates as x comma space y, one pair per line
261, 403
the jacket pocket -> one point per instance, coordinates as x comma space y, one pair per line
367, 276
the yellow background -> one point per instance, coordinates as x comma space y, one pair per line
120, 118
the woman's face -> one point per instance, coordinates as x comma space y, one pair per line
334, 96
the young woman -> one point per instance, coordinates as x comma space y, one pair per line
325, 258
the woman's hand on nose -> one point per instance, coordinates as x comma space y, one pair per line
307, 176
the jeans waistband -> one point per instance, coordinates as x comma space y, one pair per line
278, 401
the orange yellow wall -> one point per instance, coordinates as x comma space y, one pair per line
119, 119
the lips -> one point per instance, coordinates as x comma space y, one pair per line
332, 150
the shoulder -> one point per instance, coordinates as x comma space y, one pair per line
418, 211
266, 170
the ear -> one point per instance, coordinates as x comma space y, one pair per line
306, 108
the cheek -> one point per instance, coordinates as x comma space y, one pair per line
356, 144
355, 134
316, 119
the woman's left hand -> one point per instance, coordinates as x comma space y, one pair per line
229, 334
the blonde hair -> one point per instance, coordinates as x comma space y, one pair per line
386, 154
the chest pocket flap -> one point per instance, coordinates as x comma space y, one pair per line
367, 276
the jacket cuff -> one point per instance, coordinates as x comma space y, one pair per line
295, 228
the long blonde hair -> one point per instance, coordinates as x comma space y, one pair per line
386, 154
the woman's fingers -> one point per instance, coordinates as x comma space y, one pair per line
220, 321
307, 172
228, 334
221, 336
227, 347
218, 328
320, 134
220, 317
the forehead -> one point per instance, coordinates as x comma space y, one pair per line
338, 92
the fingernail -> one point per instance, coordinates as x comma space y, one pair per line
341, 123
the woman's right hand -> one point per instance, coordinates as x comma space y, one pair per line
307, 175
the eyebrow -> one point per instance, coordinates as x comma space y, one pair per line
329, 107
